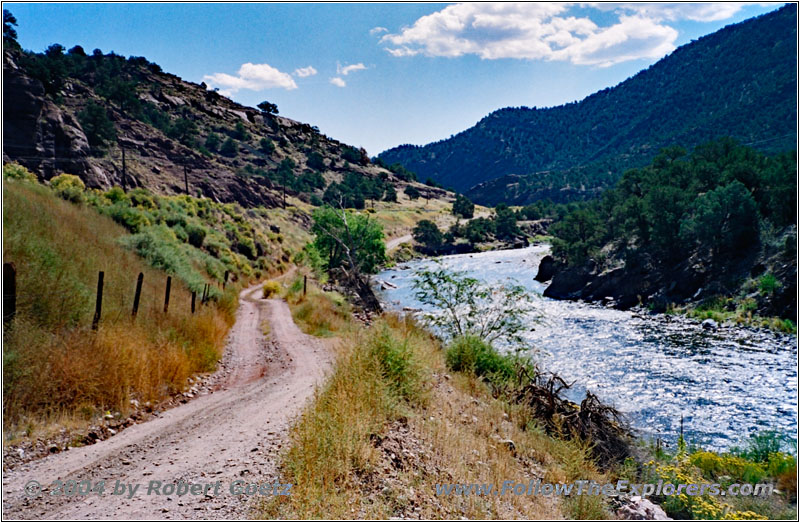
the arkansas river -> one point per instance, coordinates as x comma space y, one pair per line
727, 383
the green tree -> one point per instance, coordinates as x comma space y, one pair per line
97, 126
577, 236
412, 192
349, 240
506, 223
240, 132
724, 219
9, 33
229, 148
266, 146
479, 230
463, 207
268, 108
213, 142
465, 306
391, 194
426, 233
315, 161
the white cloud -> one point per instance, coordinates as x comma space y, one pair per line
255, 77
377, 30
678, 11
338, 82
304, 72
547, 31
344, 71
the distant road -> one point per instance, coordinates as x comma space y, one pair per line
394, 243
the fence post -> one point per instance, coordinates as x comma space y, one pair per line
205, 294
305, 278
9, 292
194, 297
166, 294
98, 304
137, 295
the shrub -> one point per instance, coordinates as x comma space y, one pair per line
15, 171
133, 219
116, 194
266, 146
472, 355
69, 187
229, 148
197, 235
271, 288
142, 198
768, 284
397, 364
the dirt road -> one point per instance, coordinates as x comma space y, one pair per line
395, 242
234, 433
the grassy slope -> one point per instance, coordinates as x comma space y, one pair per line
54, 365
392, 377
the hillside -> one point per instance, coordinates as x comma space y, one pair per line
99, 116
740, 81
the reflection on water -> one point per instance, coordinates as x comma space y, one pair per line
727, 384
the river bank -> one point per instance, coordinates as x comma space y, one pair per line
656, 368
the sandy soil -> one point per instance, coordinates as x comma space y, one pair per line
234, 433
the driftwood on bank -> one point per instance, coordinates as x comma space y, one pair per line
592, 421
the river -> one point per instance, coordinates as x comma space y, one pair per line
727, 384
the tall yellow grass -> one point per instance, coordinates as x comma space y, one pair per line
54, 364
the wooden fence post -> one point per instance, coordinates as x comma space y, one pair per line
166, 294
98, 304
194, 297
9, 292
205, 294
138, 294
305, 278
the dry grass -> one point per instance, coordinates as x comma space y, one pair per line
318, 313
55, 366
454, 427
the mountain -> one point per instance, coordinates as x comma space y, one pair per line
97, 115
740, 81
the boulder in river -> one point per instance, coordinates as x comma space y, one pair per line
547, 268
709, 325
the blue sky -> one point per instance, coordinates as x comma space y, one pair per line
380, 75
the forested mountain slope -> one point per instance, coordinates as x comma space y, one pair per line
740, 81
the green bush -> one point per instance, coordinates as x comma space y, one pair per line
116, 194
472, 355
768, 284
197, 235
141, 198
398, 368
133, 219
15, 171
162, 249
69, 187
271, 288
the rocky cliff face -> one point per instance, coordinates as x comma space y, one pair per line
624, 283
43, 132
